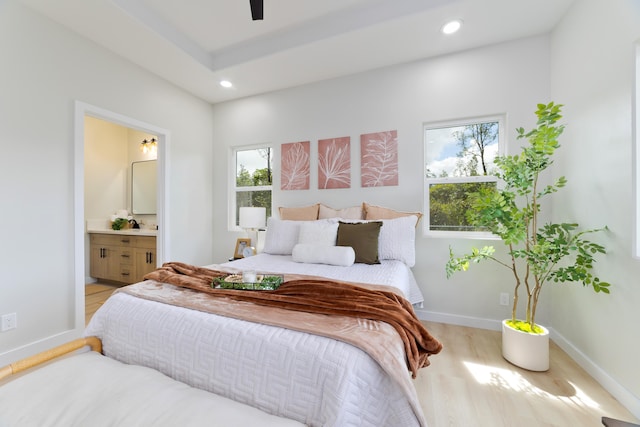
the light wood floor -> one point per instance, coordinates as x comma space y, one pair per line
469, 384
95, 295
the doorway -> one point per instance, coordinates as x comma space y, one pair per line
82, 111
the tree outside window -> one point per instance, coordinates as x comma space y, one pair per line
458, 162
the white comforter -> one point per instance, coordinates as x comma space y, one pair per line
388, 272
312, 379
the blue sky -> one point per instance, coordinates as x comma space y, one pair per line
441, 150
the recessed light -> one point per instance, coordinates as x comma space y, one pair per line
225, 83
451, 26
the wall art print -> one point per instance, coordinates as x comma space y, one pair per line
379, 159
294, 165
334, 163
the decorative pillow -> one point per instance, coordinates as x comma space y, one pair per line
397, 239
354, 212
320, 254
307, 213
320, 232
281, 236
372, 212
362, 237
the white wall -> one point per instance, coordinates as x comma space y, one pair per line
592, 75
105, 168
592, 70
45, 69
509, 78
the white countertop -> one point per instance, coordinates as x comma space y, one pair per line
129, 231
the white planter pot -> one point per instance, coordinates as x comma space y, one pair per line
528, 351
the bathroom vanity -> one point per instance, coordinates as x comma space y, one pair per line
123, 256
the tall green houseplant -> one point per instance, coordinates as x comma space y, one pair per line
537, 254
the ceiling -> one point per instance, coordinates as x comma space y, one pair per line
197, 43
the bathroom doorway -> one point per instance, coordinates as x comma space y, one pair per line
87, 113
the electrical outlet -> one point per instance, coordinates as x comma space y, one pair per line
504, 298
9, 321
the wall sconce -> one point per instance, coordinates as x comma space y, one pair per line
253, 219
149, 146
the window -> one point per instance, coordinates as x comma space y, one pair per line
458, 161
252, 179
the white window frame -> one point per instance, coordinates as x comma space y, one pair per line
233, 189
635, 108
502, 143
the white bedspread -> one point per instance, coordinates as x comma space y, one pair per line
388, 272
312, 379
89, 389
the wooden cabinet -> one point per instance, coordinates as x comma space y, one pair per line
99, 261
144, 257
122, 258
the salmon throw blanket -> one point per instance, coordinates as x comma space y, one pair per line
321, 297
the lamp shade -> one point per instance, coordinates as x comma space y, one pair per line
253, 217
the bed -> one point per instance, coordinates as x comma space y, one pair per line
270, 358
71, 386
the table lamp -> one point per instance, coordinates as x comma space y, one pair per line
253, 219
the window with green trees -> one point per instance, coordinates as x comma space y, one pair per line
253, 178
458, 162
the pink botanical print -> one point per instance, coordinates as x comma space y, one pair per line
294, 166
334, 163
379, 159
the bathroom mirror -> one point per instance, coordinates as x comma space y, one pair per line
143, 187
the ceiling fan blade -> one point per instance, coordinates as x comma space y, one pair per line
257, 7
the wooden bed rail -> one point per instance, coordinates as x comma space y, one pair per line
21, 365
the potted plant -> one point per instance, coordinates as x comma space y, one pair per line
536, 254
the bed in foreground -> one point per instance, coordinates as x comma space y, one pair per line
68, 386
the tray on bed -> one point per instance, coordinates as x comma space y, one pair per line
235, 281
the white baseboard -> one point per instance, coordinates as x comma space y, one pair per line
30, 349
620, 393
624, 396
454, 319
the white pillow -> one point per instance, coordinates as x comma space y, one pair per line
281, 236
397, 239
321, 232
343, 256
